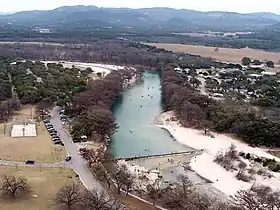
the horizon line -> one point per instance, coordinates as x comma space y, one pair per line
208, 11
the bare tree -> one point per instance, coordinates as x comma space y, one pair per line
257, 198
128, 182
185, 184
13, 186
122, 178
102, 174
69, 195
99, 200
154, 190
206, 125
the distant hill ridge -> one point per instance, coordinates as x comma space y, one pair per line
149, 18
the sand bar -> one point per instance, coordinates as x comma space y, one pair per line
223, 180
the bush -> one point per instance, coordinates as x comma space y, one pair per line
258, 160
274, 167
242, 176
248, 156
252, 171
242, 154
268, 162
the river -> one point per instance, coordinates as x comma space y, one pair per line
135, 113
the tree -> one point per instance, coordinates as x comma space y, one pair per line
128, 182
206, 125
185, 184
154, 190
195, 82
13, 186
96, 123
257, 198
246, 61
69, 195
99, 74
102, 174
270, 64
257, 62
122, 178
99, 200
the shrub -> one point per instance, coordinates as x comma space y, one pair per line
242, 154
232, 152
258, 160
252, 171
248, 156
268, 162
241, 175
274, 167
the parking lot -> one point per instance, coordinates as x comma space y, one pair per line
53, 133
41, 148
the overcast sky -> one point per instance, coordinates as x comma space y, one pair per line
243, 6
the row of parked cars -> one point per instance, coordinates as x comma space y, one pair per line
53, 133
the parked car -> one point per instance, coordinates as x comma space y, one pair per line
30, 162
68, 158
62, 111
46, 121
57, 142
76, 140
56, 139
52, 130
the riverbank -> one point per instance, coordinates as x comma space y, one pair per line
204, 164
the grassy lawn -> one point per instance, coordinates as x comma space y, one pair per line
44, 184
230, 55
39, 148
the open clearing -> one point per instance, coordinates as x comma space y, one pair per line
44, 185
39, 148
223, 55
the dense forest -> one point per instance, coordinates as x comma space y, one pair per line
199, 111
35, 82
106, 51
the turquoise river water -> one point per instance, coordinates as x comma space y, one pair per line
135, 112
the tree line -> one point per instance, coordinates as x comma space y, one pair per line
199, 111
8, 98
116, 52
91, 109
183, 195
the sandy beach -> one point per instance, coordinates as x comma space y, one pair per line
96, 67
223, 180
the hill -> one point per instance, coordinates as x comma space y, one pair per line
166, 19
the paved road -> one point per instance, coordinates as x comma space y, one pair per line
45, 165
77, 162
202, 87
